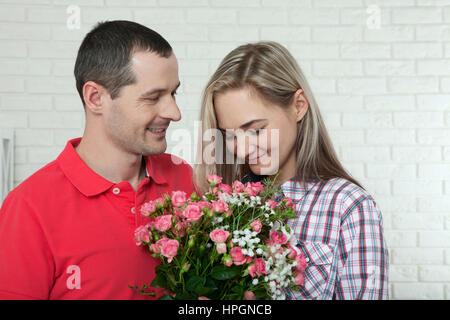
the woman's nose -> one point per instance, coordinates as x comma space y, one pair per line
244, 147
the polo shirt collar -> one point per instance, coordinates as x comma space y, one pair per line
86, 180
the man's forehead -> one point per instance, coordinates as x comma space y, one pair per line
153, 69
152, 61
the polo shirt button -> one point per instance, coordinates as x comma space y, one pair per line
133, 210
307, 259
116, 190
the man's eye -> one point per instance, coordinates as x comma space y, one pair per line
153, 99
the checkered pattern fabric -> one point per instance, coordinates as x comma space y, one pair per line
339, 229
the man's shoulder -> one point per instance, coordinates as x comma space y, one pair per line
42, 181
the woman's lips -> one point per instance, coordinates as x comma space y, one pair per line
255, 160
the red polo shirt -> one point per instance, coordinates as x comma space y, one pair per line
68, 233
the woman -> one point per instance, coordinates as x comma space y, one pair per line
260, 94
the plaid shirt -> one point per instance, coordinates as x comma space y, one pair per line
339, 229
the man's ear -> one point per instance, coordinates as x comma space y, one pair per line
301, 104
94, 95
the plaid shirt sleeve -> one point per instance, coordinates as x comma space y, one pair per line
363, 258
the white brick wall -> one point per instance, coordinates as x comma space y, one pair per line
384, 93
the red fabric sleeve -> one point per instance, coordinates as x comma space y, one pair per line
26, 263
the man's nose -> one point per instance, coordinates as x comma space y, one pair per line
170, 110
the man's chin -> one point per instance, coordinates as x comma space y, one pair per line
154, 149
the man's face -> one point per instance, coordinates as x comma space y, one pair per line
139, 117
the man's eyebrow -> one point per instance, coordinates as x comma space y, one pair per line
247, 124
158, 90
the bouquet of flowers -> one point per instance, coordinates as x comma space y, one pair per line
230, 240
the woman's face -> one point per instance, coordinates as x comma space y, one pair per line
259, 133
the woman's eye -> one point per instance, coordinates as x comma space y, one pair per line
254, 132
229, 138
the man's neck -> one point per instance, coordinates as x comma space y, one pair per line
110, 162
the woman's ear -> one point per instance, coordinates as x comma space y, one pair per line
93, 94
301, 104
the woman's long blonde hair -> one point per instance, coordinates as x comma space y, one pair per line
272, 71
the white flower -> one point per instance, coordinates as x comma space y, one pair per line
260, 251
255, 282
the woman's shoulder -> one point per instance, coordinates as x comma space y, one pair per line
352, 198
344, 188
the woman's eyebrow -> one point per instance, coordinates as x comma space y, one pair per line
246, 125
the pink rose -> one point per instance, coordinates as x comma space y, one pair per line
148, 208
219, 206
238, 257
238, 186
256, 225
301, 263
214, 179
299, 279
178, 198
163, 223
252, 270
276, 238
258, 268
179, 229
272, 203
141, 235
221, 247
226, 259
292, 253
253, 188
203, 204
225, 188
169, 249
192, 212
289, 203
156, 247
258, 186
219, 235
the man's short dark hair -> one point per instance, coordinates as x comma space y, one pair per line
105, 53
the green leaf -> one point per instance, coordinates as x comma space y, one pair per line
211, 284
195, 281
203, 291
166, 297
160, 281
223, 272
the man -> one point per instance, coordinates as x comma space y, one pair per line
67, 231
